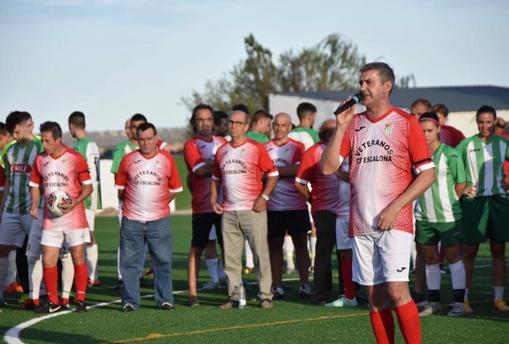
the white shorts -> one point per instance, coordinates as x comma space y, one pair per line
69, 238
381, 257
14, 228
343, 241
34, 238
212, 233
90, 215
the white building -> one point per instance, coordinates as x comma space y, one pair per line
462, 101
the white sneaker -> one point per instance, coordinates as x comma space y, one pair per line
457, 309
430, 309
210, 285
342, 302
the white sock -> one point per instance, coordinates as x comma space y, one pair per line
220, 269
4, 267
92, 254
433, 276
34, 277
249, 255
67, 275
212, 269
288, 249
312, 245
458, 276
12, 270
466, 294
499, 293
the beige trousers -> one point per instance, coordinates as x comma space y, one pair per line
252, 226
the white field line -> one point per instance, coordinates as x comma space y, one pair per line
12, 335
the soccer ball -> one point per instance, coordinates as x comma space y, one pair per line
56, 200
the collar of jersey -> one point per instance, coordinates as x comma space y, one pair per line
375, 120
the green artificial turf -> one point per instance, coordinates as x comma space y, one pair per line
292, 320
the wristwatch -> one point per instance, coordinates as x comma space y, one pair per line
265, 197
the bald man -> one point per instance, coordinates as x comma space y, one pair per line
287, 209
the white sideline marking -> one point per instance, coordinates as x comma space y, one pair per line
12, 335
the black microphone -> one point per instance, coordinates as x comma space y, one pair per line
354, 100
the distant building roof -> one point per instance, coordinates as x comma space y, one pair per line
456, 98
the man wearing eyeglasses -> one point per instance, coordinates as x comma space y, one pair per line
238, 170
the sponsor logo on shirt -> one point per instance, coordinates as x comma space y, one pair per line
360, 128
21, 168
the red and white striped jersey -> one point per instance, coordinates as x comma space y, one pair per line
147, 183
240, 170
285, 196
383, 152
65, 173
196, 152
324, 189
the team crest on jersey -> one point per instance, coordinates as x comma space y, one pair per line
388, 129
158, 163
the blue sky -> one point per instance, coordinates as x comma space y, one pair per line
112, 58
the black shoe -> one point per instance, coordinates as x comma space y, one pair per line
128, 307
65, 307
118, 285
80, 307
193, 302
167, 306
49, 308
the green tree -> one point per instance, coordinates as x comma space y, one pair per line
332, 64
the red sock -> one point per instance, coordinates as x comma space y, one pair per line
80, 281
50, 276
346, 271
409, 322
383, 326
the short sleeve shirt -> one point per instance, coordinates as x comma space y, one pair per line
196, 152
324, 189
285, 196
67, 173
383, 153
147, 183
240, 170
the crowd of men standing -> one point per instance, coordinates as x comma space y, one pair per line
354, 185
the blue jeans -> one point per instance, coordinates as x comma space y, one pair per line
158, 236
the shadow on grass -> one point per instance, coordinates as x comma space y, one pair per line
52, 336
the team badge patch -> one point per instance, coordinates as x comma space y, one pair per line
388, 129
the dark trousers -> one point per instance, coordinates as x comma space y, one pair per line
325, 222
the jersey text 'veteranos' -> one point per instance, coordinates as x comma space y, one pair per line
65, 173
240, 170
285, 196
382, 153
147, 183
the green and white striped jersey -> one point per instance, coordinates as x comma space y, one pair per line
120, 150
440, 204
484, 163
90, 152
306, 136
19, 160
